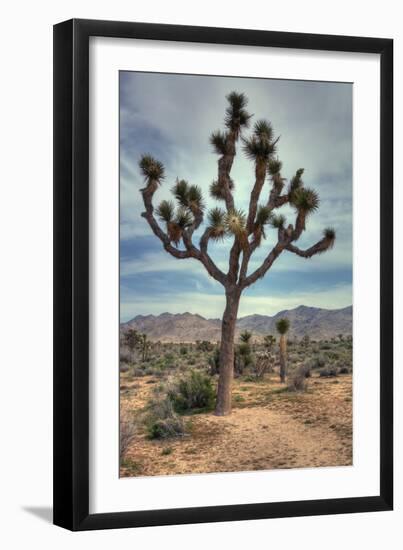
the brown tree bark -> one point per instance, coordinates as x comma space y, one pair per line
283, 358
226, 375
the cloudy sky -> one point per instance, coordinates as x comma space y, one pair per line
171, 117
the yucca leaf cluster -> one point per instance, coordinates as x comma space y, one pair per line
152, 169
260, 145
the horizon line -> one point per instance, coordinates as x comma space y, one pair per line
238, 318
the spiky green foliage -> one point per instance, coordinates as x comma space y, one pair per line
260, 145
263, 130
274, 167
165, 211
282, 325
305, 200
195, 198
330, 235
216, 224
181, 191
217, 191
234, 222
245, 336
219, 142
215, 217
183, 218
295, 182
258, 149
263, 215
269, 341
152, 169
236, 115
278, 221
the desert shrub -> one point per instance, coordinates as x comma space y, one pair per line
125, 355
318, 362
183, 350
193, 391
154, 371
329, 371
191, 361
263, 363
333, 355
344, 370
325, 346
127, 433
297, 381
214, 362
166, 451
124, 367
162, 421
204, 345
138, 371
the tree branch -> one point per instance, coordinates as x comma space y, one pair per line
260, 171
191, 250
321, 246
261, 271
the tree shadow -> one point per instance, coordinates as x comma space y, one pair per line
45, 513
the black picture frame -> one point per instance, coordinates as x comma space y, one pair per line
71, 274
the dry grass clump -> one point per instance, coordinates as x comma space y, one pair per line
162, 421
297, 381
127, 433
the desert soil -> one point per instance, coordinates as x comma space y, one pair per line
268, 429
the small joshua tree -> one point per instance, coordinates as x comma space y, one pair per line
245, 351
144, 346
282, 327
246, 230
245, 336
269, 340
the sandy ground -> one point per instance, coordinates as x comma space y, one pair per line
267, 429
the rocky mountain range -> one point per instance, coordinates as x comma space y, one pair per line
318, 323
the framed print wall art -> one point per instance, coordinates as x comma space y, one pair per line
223, 274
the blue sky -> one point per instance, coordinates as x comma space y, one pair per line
171, 117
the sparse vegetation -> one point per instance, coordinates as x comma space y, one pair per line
159, 399
162, 421
194, 391
127, 433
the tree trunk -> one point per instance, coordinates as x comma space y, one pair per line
226, 375
283, 358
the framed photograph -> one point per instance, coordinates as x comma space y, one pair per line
223, 320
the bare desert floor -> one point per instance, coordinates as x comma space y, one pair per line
269, 428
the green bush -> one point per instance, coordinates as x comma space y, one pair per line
193, 391
214, 362
204, 345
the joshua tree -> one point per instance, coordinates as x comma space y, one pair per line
245, 336
244, 357
269, 341
305, 340
246, 230
282, 327
144, 346
132, 339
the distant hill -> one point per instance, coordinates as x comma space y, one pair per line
187, 327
